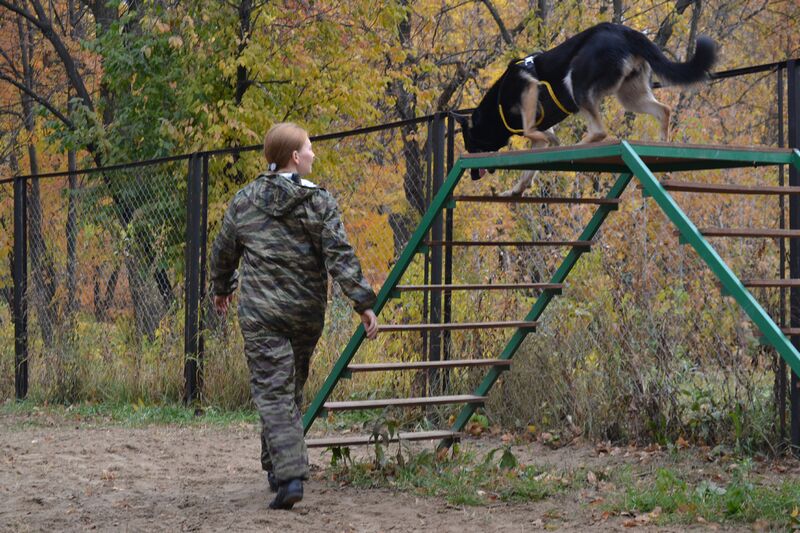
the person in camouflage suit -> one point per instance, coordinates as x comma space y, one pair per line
289, 236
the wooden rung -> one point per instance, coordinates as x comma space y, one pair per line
748, 232
360, 440
463, 325
403, 402
577, 244
489, 287
790, 331
686, 186
537, 200
414, 365
771, 282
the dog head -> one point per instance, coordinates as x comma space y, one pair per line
472, 143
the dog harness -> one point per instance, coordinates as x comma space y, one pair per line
529, 65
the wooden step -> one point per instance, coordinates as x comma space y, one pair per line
687, 186
360, 440
523, 324
748, 232
771, 282
415, 365
403, 402
477, 287
576, 244
537, 200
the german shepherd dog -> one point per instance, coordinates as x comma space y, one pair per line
541, 90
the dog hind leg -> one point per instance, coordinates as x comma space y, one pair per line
636, 96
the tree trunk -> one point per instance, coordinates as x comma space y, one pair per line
616, 17
403, 224
72, 239
102, 301
43, 275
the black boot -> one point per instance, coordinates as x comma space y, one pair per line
289, 493
273, 483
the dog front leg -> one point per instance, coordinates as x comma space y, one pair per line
529, 104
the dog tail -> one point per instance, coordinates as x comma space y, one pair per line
692, 71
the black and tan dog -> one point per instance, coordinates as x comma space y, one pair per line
541, 90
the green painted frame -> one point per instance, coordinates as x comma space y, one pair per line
627, 159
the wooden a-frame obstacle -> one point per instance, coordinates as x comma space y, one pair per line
629, 160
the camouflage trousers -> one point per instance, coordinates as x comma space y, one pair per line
278, 371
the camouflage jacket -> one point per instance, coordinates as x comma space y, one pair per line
289, 235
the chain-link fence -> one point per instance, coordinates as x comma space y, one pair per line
642, 345
105, 274
6, 289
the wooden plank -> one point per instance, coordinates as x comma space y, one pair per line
412, 365
403, 402
771, 282
536, 200
476, 287
748, 232
457, 326
687, 186
576, 244
360, 440
789, 332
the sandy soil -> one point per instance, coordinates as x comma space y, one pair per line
65, 477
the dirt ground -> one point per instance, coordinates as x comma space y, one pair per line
66, 476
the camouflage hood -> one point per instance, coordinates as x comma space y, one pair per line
277, 195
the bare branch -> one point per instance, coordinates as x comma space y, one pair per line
43, 23
10, 62
496, 16
38, 99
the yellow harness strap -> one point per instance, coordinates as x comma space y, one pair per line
540, 110
553, 96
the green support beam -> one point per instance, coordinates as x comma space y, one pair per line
413, 245
691, 235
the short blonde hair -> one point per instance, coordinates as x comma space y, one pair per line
281, 141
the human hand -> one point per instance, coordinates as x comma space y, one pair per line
370, 322
221, 302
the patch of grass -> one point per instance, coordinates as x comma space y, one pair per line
741, 499
29, 413
461, 478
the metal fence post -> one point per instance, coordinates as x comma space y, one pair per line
435, 353
448, 252
20, 288
793, 108
203, 304
193, 209
780, 378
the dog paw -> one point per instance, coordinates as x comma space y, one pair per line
593, 138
